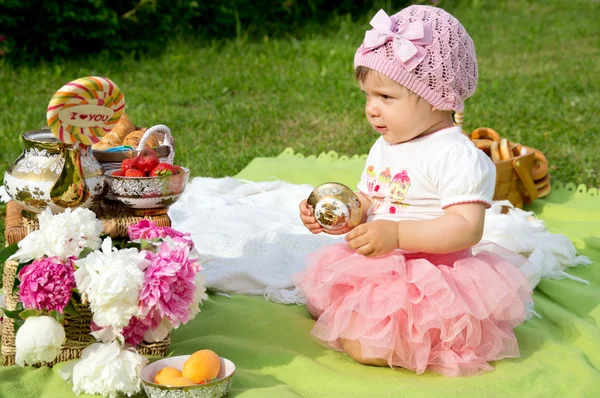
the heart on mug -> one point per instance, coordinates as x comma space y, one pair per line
83, 117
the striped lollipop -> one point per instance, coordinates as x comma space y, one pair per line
85, 109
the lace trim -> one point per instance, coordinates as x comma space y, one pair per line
330, 155
574, 189
557, 186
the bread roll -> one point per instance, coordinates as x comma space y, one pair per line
544, 191
495, 151
505, 153
485, 132
483, 143
540, 166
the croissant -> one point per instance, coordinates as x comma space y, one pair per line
134, 138
110, 140
101, 146
123, 127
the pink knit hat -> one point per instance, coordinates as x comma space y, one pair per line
426, 50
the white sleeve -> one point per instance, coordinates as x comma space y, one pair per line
464, 174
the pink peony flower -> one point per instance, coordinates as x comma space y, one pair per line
134, 332
46, 284
146, 229
168, 288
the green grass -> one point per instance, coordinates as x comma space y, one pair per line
227, 103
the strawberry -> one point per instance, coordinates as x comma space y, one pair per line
147, 160
163, 169
134, 173
118, 173
127, 164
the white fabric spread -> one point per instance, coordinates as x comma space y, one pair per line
253, 241
250, 232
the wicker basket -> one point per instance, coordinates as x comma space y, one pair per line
514, 181
77, 329
165, 152
513, 177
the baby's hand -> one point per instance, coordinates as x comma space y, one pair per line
308, 218
374, 238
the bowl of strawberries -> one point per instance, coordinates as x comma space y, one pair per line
145, 184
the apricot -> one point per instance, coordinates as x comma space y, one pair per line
201, 366
166, 374
180, 382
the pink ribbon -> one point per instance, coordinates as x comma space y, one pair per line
407, 43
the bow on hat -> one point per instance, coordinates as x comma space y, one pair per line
407, 43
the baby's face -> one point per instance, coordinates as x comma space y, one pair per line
393, 111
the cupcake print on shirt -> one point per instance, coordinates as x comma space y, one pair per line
399, 187
397, 192
371, 177
383, 181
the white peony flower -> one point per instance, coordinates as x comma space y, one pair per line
108, 335
200, 295
111, 280
107, 369
62, 235
161, 331
30, 248
33, 346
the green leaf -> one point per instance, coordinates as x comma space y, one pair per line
119, 243
8, 251
29, 312
57, 315
84, 253
75, 295
135, 245
17, 324
70, 309
13, 314
10, 314
146, 245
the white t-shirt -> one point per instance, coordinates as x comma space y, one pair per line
418, 179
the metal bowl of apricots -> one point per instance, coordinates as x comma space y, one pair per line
200, 375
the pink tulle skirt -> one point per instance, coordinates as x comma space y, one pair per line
449, 313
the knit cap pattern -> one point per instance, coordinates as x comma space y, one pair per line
446, 75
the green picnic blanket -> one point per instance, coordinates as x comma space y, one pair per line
275, 357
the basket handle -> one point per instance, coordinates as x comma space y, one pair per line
159, 128
526, 179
